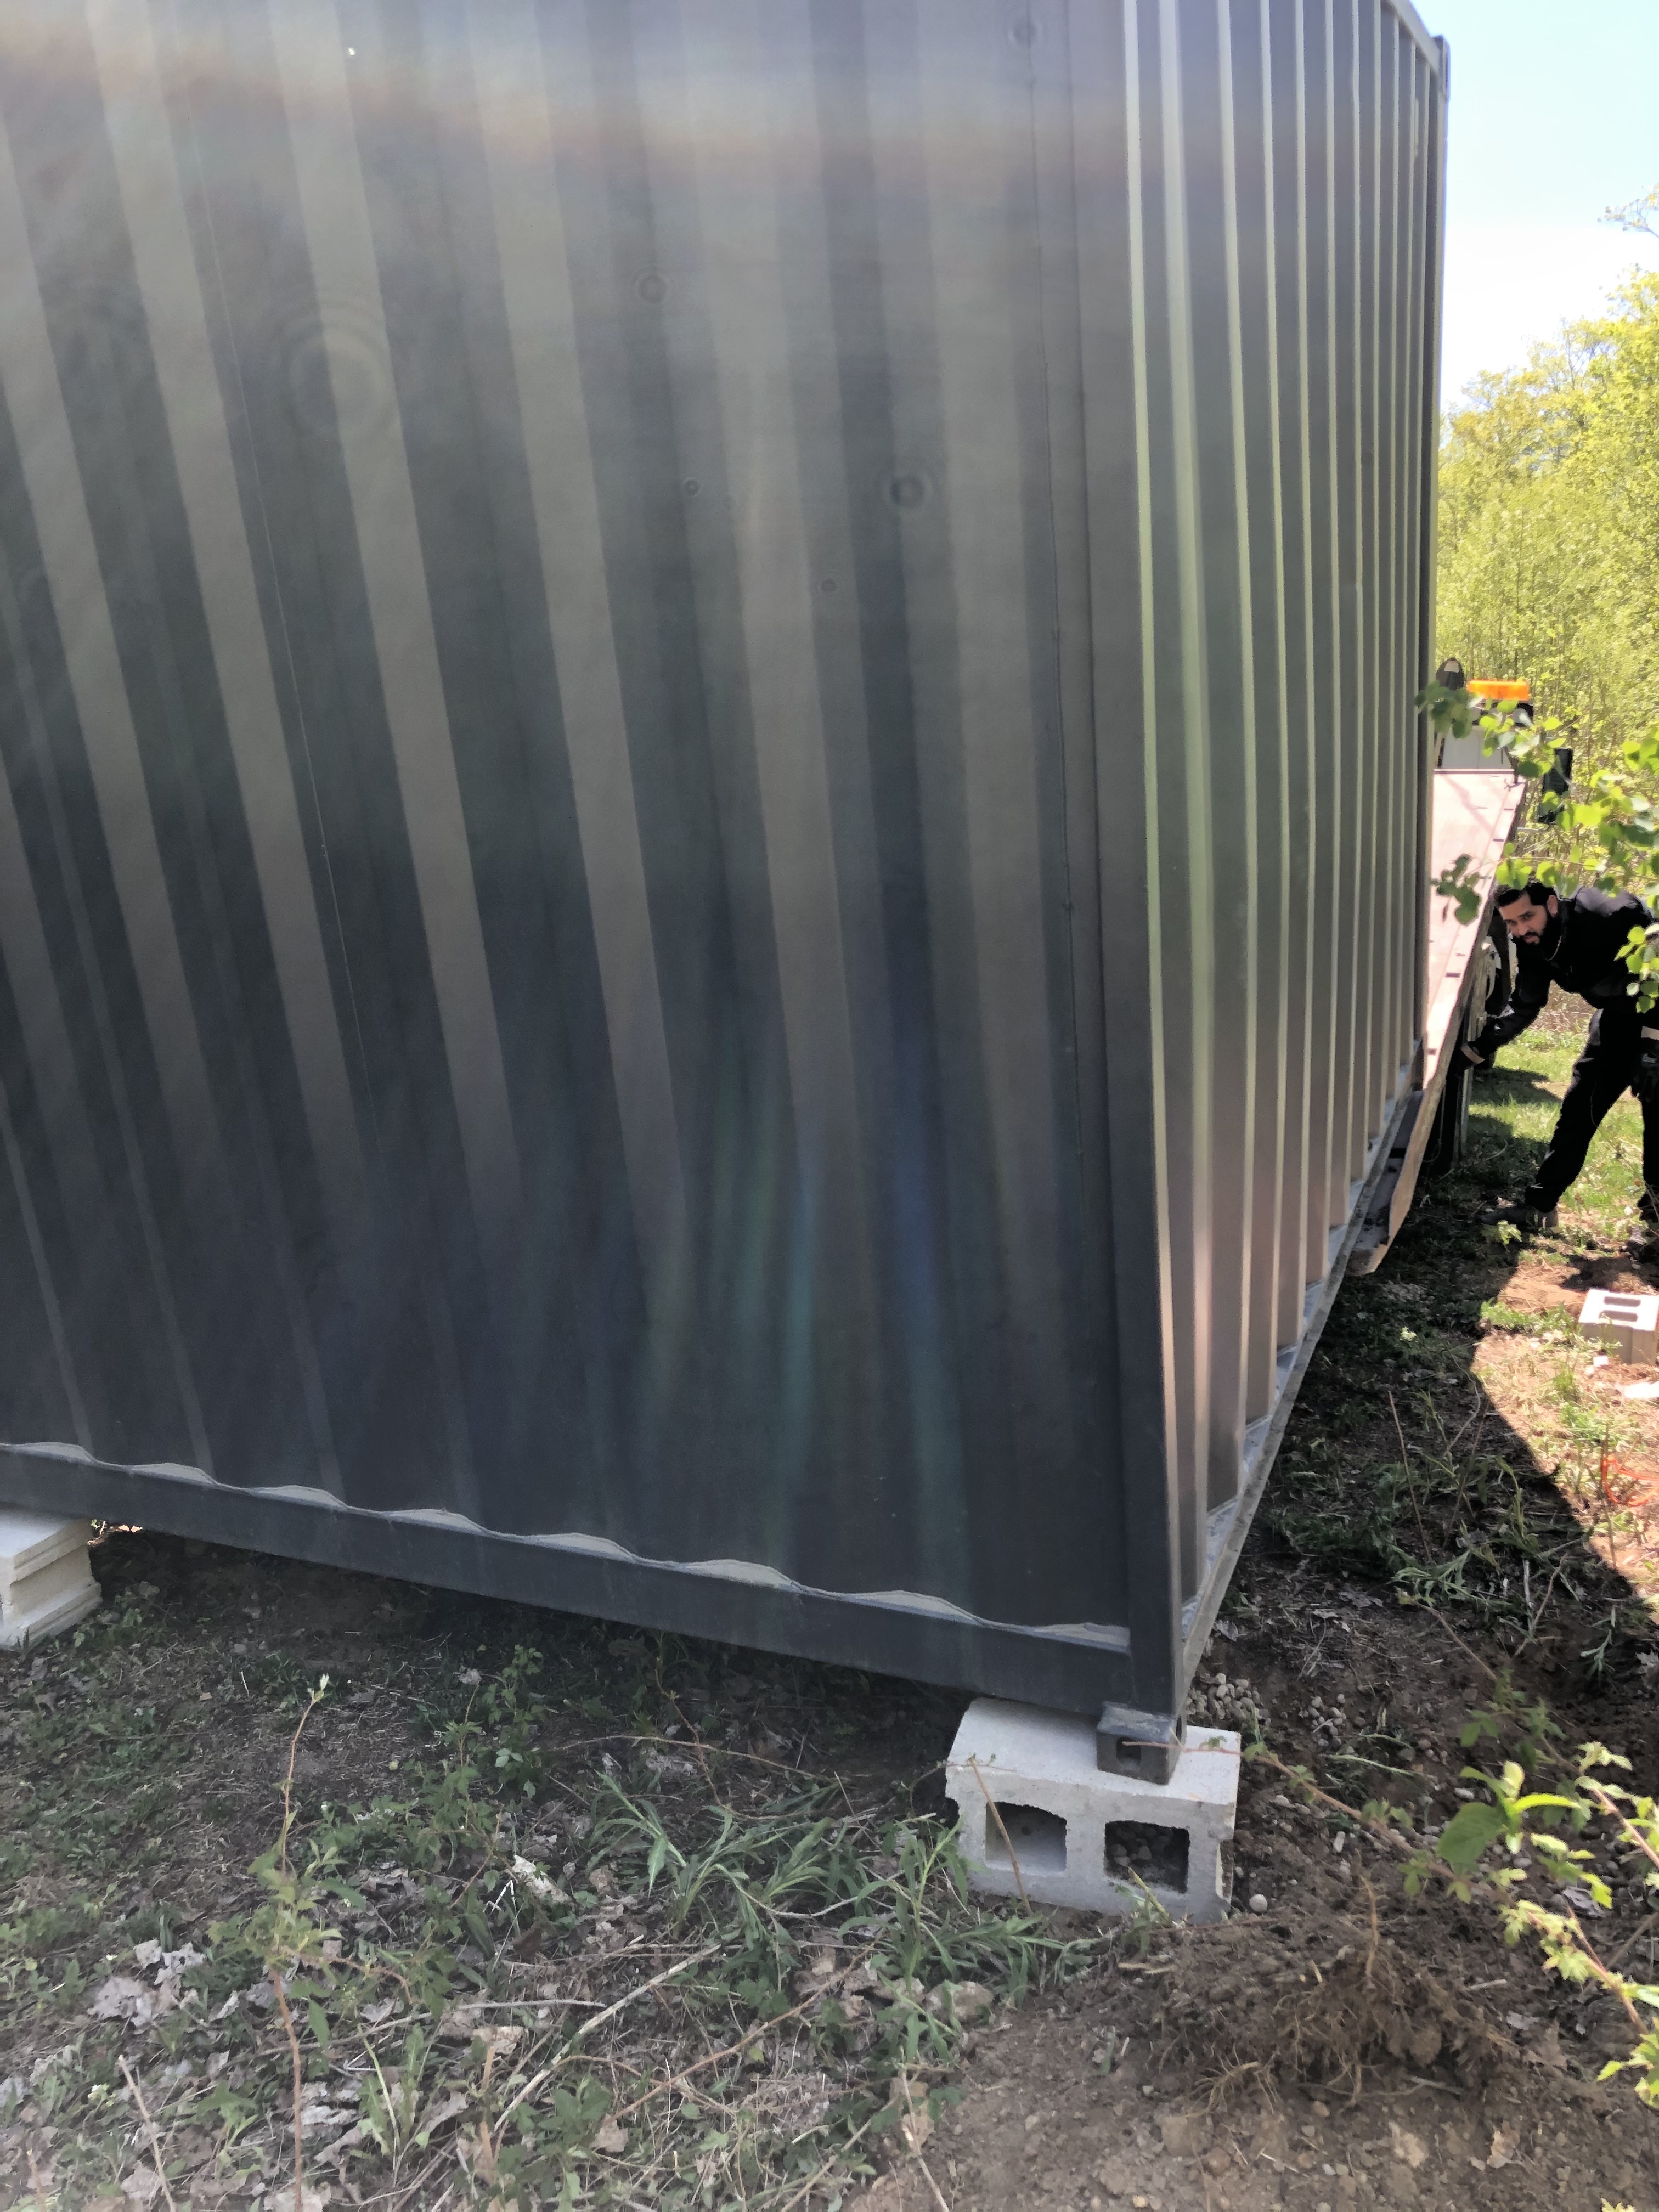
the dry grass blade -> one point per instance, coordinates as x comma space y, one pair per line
149, 2126
1535, 1615
916, 2145
835, 2159
536, 2082
1406, 1469
1392, 1836
1643, 1929
1007, 1841
733, 2049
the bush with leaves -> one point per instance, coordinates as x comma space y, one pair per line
1492, 1847
1495, 1837
1607, 836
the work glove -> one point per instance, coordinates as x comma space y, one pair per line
1645, 1081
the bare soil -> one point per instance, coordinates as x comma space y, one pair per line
1349, 2046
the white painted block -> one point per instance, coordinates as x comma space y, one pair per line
1625, 1322
1076, 1833
46, 1575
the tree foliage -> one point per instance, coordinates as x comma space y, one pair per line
1549, 570
1549, 528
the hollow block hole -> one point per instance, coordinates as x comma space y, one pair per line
1038, 1838
1156, 1853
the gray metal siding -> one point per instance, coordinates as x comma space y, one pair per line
712, 839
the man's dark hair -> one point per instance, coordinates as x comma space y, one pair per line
1450, 674
1534, 893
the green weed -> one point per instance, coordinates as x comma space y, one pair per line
1563, 1833
648, 1980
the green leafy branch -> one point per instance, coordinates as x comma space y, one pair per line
1523, 1821
1641, 213
1491, 1846
1606, 838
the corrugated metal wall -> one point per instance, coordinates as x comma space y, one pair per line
712, 848
1265, 618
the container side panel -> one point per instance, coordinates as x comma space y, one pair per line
1185, 827
1352, 826
1329, 1047
1264, 431
1117, 271
1430, 130
1376, 1081
553, 936
712, 836
1211, 196
1392, 724
1288, 91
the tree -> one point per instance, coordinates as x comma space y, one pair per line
1549, 526
1607, 838
1637, 215
1549, 570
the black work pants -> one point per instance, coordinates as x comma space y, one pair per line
1600, 1075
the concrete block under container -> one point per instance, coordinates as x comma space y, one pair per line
1084, 1838
1626, 1322
45, 1576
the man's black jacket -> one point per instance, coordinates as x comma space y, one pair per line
1580, 954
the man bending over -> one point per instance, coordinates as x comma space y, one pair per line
1575, 942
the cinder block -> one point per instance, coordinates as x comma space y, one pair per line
1625, 1322
45, 1576
1077, 1833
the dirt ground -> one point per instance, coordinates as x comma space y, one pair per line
1459, 1523
1348, 2046
1352, 2043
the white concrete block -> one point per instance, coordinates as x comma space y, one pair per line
46, 1575
1625, 1322
1076, 1832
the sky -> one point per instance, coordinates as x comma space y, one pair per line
1554, 116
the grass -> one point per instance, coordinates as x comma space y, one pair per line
524, 1963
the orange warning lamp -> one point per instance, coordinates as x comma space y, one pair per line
1492, 688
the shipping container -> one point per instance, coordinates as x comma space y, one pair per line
713, 850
